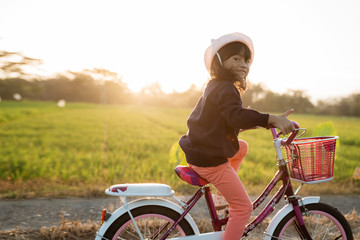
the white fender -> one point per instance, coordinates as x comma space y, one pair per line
283, 212
144, 202
140, 190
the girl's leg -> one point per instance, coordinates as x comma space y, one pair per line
235, 163
226, 180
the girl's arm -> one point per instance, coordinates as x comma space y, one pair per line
281, 122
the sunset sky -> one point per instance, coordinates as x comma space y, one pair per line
313, 45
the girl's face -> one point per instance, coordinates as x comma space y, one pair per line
237, 65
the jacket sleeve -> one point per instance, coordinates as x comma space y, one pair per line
230, 106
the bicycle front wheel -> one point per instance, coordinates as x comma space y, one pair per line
322, 222
152, 222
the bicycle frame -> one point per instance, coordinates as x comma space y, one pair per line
294, 203
285, 189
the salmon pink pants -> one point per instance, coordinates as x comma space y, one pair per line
226, 180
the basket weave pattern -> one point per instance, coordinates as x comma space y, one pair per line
311, 160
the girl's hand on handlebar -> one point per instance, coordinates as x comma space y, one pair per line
281, 122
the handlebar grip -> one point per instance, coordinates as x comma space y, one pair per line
292, 134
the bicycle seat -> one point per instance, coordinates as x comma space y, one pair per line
188, 175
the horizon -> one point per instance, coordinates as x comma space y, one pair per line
296, 44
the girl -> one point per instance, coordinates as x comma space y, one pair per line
211, 146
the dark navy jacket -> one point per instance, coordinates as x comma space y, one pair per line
214, 125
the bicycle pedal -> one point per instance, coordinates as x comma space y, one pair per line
223, 213
221, 207
219, 202
227, 212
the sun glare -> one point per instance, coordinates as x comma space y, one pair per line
163, 42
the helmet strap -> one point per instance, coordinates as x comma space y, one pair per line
218, 55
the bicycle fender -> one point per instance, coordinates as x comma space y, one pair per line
283, 212
144, 202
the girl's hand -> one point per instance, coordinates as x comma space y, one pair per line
281, 122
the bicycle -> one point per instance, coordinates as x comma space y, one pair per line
307, 160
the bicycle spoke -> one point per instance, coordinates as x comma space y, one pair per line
316, 226
133, 229
326, 233
320, 232
286, 237
148, 223
120, 238
150, 228
160, 230
323, 232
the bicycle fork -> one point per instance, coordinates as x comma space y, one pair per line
299, 223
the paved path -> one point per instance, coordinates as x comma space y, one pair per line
45, 212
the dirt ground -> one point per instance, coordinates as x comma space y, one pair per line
48, 212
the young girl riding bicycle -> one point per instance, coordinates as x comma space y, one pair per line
211, 146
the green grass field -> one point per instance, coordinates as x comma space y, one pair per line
81, 149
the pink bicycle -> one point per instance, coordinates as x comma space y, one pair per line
307, 160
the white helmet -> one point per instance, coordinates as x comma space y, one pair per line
222, 41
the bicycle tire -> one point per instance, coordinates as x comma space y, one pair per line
323, 222
149, 219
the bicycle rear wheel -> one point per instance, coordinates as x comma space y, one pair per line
150, 219
322, 222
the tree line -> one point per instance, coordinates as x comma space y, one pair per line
84, 87
105, 87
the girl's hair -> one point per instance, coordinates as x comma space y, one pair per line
230, 49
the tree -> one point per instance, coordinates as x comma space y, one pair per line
112, 88
348, 106
13, 64
56, 88
254, 94
8, 87
190, 97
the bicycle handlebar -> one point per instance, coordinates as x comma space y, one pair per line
290, 138
277, 134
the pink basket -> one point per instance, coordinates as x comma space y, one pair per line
311, 160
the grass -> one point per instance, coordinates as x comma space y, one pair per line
81, 149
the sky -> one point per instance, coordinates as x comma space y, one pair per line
309, 45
